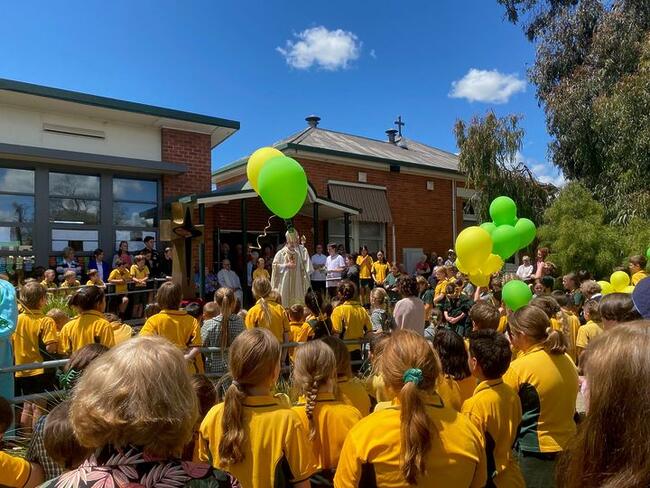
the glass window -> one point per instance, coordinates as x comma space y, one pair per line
135, 238
15, 238
79, 240
16, 180
74, 211
135, 190
337, 227
74, 186
16, 208
135, 214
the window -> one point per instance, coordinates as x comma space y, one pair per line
16, 209
74, 199
370, 234
79, 240
135, 211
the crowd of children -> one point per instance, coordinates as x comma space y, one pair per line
399, 381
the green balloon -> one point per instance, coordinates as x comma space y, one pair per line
282, 185
488, 226
516, 294
526, 231
503, 211
647, 253
505, 241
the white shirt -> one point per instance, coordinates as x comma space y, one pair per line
229, 279
318, 260
525, 272
332, 263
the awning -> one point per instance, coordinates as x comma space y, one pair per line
372, 202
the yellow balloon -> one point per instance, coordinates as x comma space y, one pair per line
628, 289
479, 279
461, 266
257, 161
605, 287
492, 264
473, 246
619, 280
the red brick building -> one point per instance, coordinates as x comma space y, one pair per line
396, 194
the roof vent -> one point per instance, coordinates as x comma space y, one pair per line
312, 120
402, 143
391, 133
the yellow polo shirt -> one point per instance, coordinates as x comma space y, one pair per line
276, 449
14, 471
503, 323
140, 274
101, 284
573, 326
332, 421
180, 329
380, 271
365, 266
352, 392
351, 321
371, 454
33, 331
547, 385
89, 327
65, 284
466, 388
298, 332
441, 288
118, 274
279, 321
121, 332
449, 392
495, 410
49, 286
587, 333
261, 273
638, 276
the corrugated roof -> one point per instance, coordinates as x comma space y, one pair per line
372, 202
413, 154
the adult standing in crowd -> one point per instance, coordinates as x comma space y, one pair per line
123, 255
69, 263
335, 266
165, 265
98, 263
525, 270
319, 275
409, 311
153, 263
451, 258
228, 278
423, 268
542, 254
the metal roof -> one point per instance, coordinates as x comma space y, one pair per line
406, 152
372, 202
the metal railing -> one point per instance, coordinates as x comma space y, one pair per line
62, 362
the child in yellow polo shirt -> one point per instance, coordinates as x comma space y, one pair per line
260, 270
177, 326
299, 330
349, 389
90, 326
494, 408
364, 261
16, 472
251, 434
326, 419
592, 329
69, 281
637, 267
49, 279
33, 329
350, 320
94, 280
266, 312
139, 275
120, 277
379, 269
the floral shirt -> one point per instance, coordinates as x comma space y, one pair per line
131, 468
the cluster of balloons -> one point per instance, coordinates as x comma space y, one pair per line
474, 255
619, 282
509, 234
279, 180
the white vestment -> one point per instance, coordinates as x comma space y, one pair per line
291, 283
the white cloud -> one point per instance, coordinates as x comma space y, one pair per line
373, 54
543, 172
487, 86
330, 50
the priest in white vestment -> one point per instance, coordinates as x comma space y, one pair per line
291, 271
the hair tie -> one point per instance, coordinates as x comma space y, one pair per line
548, 331
413, 375
236, 384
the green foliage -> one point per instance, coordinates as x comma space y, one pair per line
60, 302
488, 156
579, 238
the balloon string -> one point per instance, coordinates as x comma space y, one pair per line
264, 234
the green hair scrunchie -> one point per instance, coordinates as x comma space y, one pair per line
413, 375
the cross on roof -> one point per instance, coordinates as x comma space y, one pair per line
399, 125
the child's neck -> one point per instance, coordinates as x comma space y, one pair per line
259, 390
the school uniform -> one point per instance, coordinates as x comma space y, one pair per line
372, 457
351, 321
587, 333
573, 323
333, 420
140, 274
380, 270
14, 471
279, 322
449, 391
298, 332
119, 274
638, 276
49, 285
89, 327
34, 331
121, 332
495, 410
101, 284
180, 329
547, 385
276, 449
261, 273
365, 270
466, 388
353, 393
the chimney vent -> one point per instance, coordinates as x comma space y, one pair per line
391, 133
312, 120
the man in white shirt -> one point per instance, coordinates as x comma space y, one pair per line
335, 266
319, 275
525, 270
226, 277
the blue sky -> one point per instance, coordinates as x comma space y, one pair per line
270, 63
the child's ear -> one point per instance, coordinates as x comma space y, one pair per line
473, 365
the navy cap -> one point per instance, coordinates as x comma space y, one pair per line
641, 297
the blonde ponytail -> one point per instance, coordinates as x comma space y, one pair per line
566, 330
415, 432
225, 298
261, 290
232, 425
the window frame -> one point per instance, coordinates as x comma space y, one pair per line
29, 225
